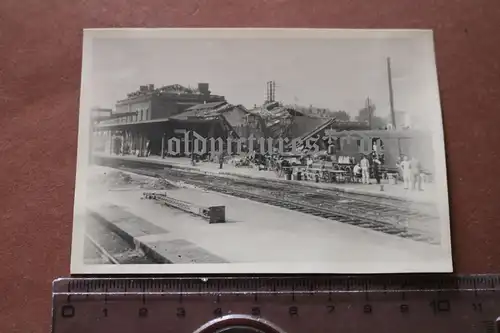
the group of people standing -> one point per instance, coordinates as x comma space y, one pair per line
363, 169
411, 172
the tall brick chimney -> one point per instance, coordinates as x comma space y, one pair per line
203, 88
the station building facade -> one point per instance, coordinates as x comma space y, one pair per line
149, 103
146, 109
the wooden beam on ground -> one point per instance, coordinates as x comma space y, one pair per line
214, 214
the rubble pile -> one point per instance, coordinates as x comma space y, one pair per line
157, 184
119, 179
116, 178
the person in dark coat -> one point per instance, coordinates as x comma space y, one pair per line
286, 167
221, 159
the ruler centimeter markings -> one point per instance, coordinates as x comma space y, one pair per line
403, 303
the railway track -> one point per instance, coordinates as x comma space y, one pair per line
376, 201
382, 217
352, 219
345, 203
104, 246
378, 204
101, 251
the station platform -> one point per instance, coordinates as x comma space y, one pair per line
391, 191
254, 233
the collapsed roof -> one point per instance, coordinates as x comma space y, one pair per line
207, 110
275, 116
337, 125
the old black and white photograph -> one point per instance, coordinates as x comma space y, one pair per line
260, 151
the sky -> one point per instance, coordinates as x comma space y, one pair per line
338, 74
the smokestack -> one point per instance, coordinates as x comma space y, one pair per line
391, 93
203, 88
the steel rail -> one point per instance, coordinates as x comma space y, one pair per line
101, 250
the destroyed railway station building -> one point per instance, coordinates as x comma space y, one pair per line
149, 114
269, 120
277, 120
156, 115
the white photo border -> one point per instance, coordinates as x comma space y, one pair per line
441, 265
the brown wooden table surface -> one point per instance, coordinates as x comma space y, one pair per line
40, 61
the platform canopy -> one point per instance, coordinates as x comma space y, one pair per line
168, 125
112, 116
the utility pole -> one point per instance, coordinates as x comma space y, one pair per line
391, 100
391, 93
